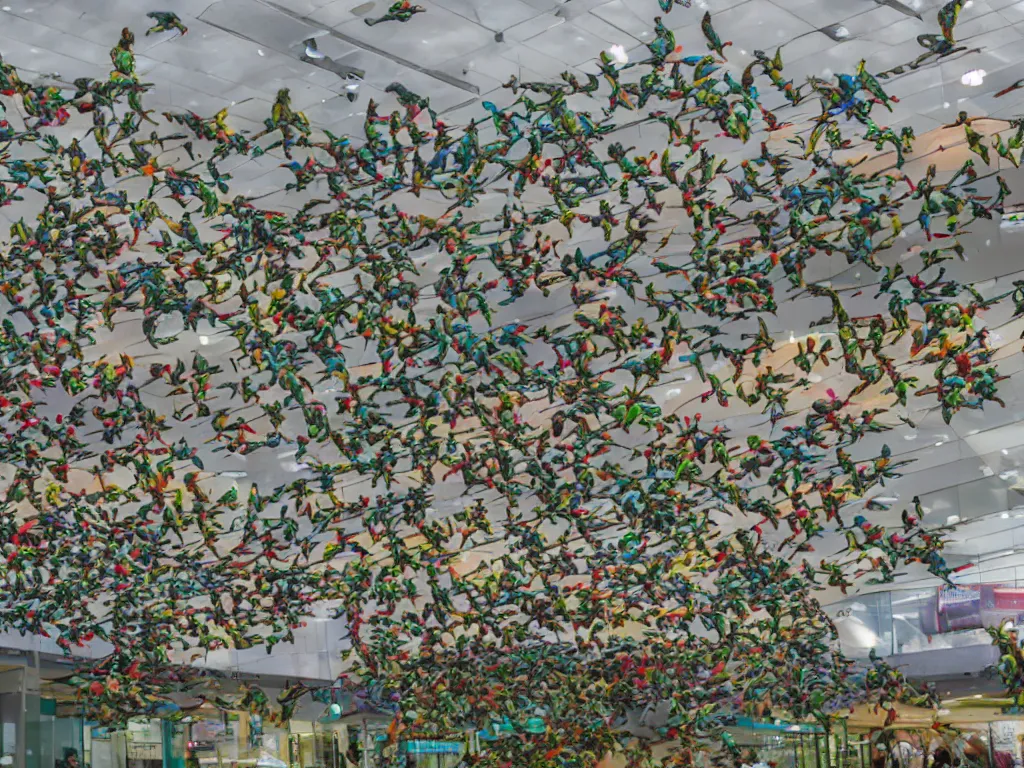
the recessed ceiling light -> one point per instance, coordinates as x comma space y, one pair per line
910, 436
938, 444
1005, 452
619, 54
260, 52
204, 340
952, 519
974, 77
234, 473
1005, 515
7, 7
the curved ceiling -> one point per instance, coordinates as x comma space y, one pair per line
238, 53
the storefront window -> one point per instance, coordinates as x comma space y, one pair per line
234, 740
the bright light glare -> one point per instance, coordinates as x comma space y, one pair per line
974, 77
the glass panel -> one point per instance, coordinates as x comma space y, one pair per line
864, 623
10, 704
108, 748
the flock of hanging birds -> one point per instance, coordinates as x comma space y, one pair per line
504, 510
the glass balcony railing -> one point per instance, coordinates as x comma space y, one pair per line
925, 619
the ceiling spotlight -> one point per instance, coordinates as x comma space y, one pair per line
311, 49
835, 31
204, 340
619, 55
1005, 515
952, 519
974, 77
1005, 452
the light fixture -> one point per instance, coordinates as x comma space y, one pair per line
938, 444
836, 32
973, 78
204, 340
311, 49
619, 55
260, 52
1005, 515
1005, 452
952, 519
234, 474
